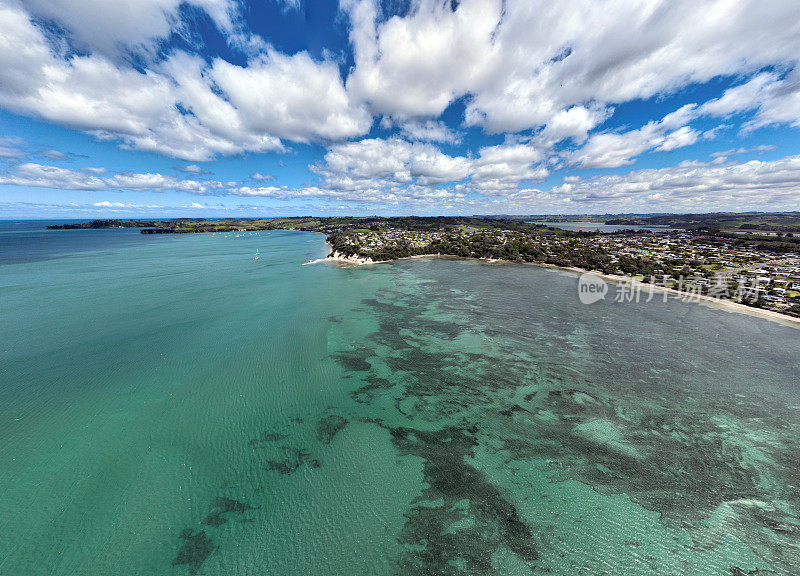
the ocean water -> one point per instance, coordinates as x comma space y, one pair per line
171, 406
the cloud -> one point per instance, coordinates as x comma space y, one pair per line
388, 163
12, 141
55, 155
394, 163
546, 76
573, 123
112, 27
183, 106
500, 169
191, 169
679, 138
42, 176
734, 151
776, 100
266, 191
289, 4
107, 204
262, 177
8, 152
430, 131
613, 149
561, 81
90, 210
394, 169
291, 97
58, 155
522, 64
687, 187
714, 132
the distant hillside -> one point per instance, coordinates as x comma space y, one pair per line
755, 221
784, 222
326, 225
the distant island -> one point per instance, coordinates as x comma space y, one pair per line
725, 255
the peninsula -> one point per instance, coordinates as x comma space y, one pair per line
741, 262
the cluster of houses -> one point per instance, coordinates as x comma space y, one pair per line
371, 240
771, 278
709, 265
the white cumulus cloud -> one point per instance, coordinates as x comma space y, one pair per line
183, 106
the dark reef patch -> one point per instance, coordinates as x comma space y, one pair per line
681, 466
354, 360
268, 437
195, 550
374, 387
514, 408
329, 427
222, 506
197, 546
666, 433
736, 571
293, 459
432, 542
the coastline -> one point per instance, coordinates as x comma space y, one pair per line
334, 256
727, 305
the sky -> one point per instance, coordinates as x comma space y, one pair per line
219, 108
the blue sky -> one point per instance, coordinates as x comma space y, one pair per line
153, 108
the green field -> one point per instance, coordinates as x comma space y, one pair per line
785, 222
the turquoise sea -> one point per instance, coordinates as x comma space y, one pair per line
171, 406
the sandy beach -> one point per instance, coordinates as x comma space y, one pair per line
644, 288
338, 257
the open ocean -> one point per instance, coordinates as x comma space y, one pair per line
171, 406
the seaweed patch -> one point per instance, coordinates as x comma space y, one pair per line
195, 550
293, 459
354, 360
268, 437
475, 519
329, 427
223, 506
681, 451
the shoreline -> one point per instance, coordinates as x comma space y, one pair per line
726, 305
688, 298
334, 256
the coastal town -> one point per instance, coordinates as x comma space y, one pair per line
741, 269
759, 268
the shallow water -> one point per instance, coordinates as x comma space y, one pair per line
173, 406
